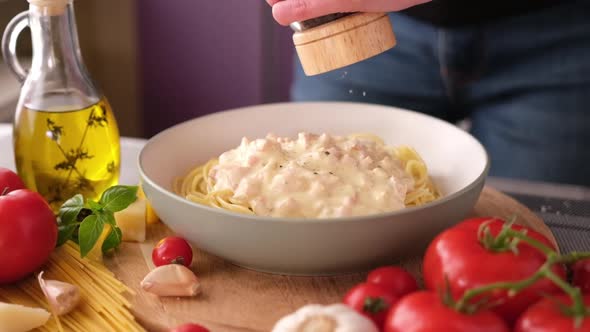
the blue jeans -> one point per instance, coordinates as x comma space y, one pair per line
524, 83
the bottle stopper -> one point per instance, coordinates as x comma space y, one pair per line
49, 7
338, 40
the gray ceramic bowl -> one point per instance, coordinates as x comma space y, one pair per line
457, 162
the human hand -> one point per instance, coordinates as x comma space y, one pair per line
288, 11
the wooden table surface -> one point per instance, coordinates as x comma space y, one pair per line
235, 299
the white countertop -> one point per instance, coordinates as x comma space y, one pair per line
8, 93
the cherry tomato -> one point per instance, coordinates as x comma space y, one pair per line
581, 276
190, 327
370, 300
547, 316
458, 255
395, 280
28, 234
172, 250
423, 311
9, 181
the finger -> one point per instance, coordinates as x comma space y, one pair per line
272, 2
289, 11
388, 5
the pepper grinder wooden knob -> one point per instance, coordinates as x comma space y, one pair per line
339, 40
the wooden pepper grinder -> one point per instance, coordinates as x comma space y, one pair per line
338, 40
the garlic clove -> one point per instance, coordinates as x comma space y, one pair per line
19, 318
62, 297
171, 280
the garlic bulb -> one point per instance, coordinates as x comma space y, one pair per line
319, 318
171, 280
62, 297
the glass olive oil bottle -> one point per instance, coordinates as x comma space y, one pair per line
66, 139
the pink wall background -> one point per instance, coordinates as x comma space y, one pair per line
199, 57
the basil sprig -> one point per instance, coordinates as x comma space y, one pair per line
84, 222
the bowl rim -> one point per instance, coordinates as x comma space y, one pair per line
339, 220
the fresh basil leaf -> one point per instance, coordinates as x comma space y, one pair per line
65, 233
106, 217
118, 198
90, 230
110, 217
94, 206
113, 239
69, 210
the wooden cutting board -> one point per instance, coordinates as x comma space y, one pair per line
235, 299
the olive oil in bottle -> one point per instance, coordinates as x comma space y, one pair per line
66, 140
61, 153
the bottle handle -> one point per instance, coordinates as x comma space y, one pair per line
9, 40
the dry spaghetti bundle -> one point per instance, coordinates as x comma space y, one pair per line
103, 306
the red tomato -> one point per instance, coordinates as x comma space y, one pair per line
581, 276
190, 327
371, 301
458, 255
172, 250
395, 280
423, 311
28, 234
546, 316
9, 181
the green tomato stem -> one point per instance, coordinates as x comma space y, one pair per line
530, 241
578, 309
572, 257
508, 239
512, 287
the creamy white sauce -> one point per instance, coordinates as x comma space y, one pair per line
313, 176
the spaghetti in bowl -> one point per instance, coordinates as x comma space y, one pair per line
311, 176
306, 245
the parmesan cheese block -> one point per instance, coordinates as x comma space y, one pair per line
140, 193
150, 214
18, 318
132, 221
96, 252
